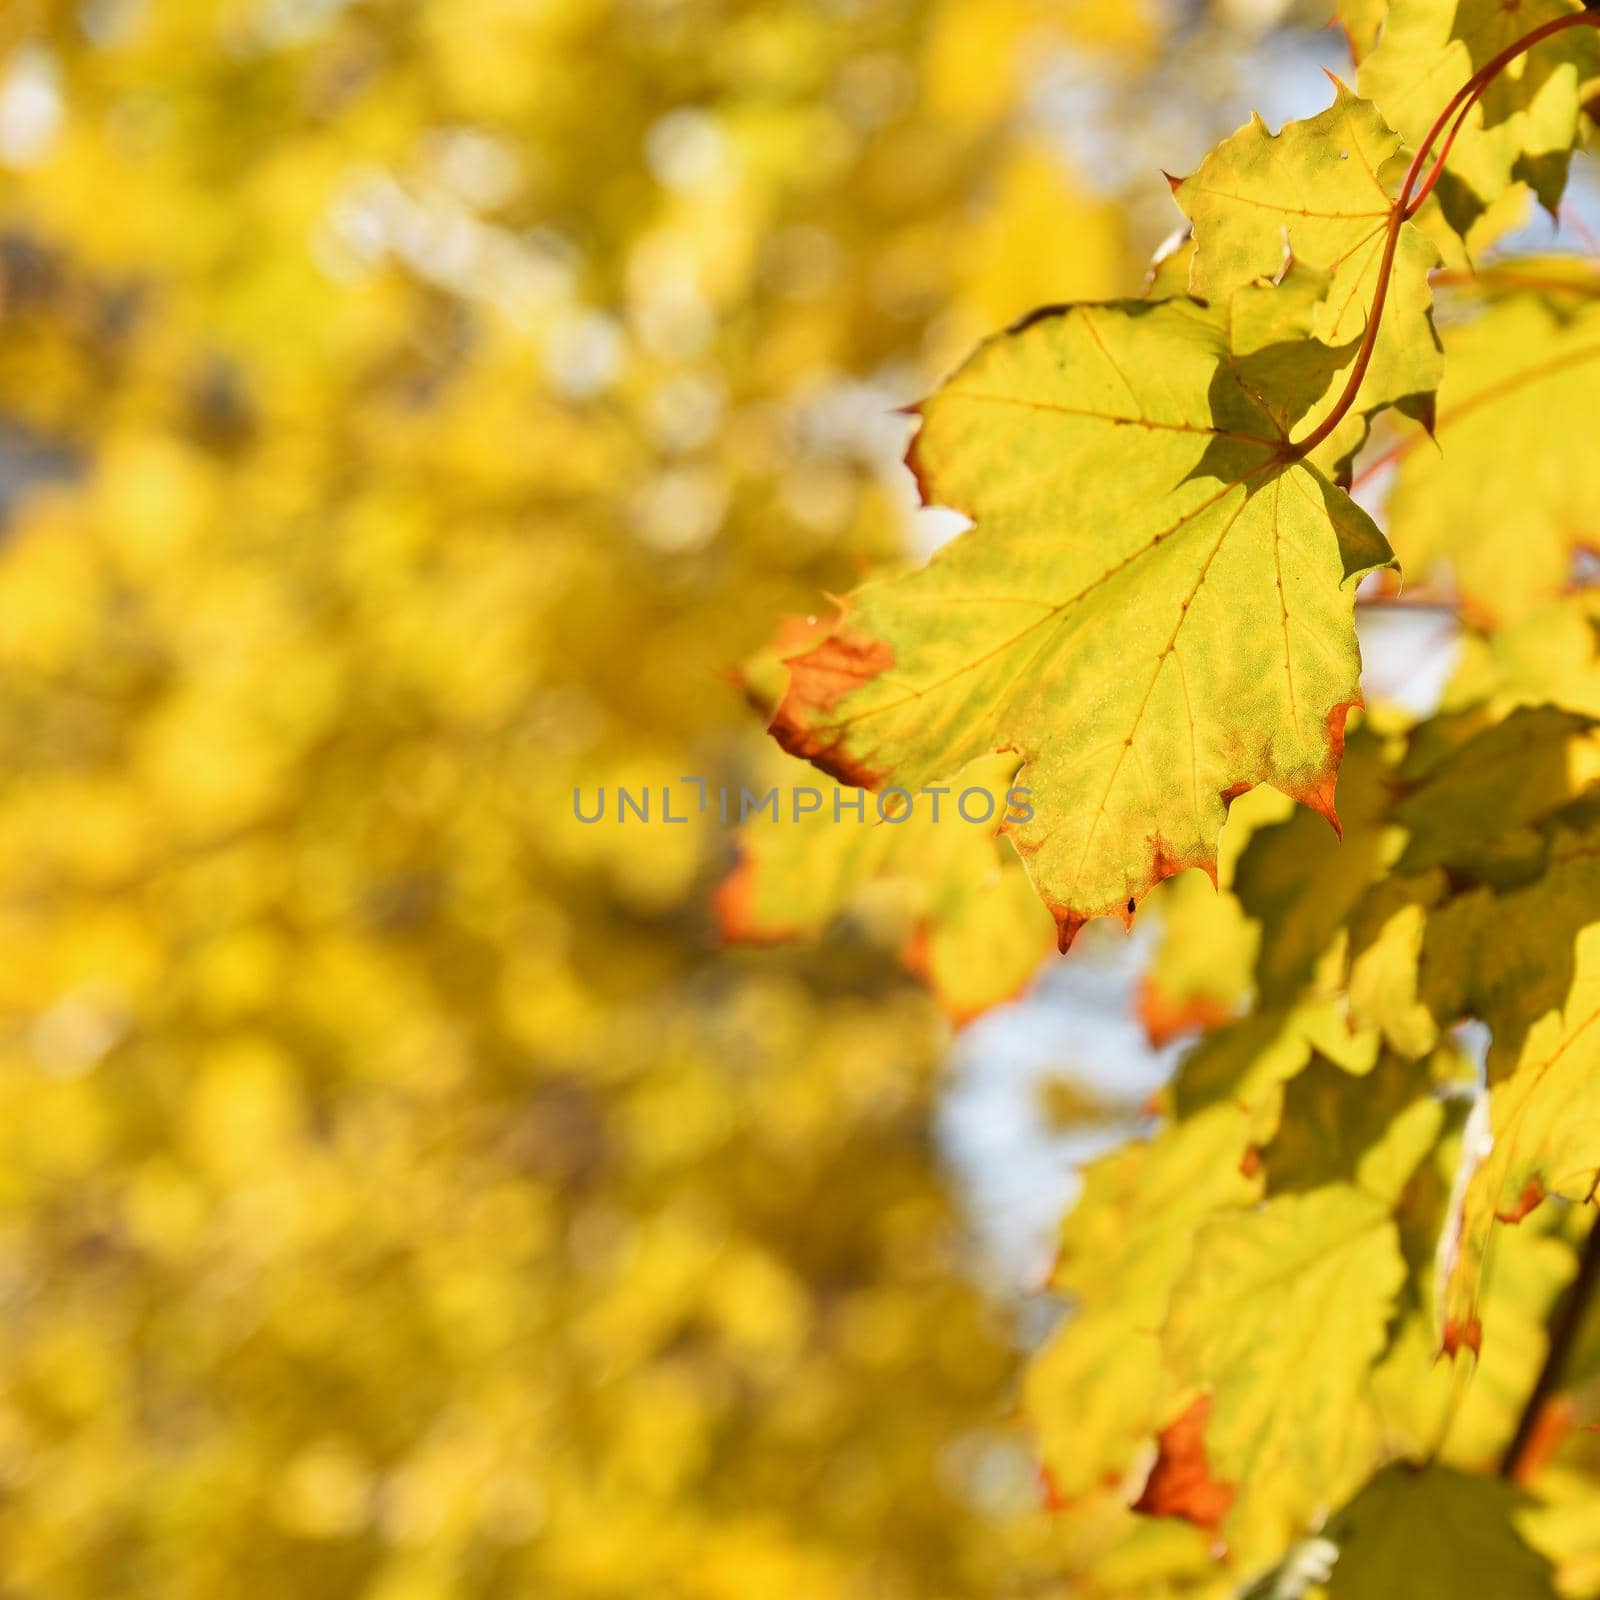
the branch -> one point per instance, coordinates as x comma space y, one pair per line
1519, 1455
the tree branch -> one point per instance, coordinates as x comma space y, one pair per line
1564, 1333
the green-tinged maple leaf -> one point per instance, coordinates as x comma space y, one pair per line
1544, 1117
1386, 935
1515, 452
1461, 804
1372, 1131
1245, 1060
1472, 811
974, 929
1507, 956
1460, 252
1299, 883
1141, 1202
1322, 190
1525, 125
1279, 1317
1434, 1534
1526, 960
1093, 1393
1134, 496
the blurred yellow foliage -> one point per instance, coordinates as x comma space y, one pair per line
407, 412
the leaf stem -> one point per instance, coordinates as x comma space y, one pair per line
1564, 1333
1447, 124
1470, 92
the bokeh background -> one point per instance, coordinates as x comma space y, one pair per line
410, 410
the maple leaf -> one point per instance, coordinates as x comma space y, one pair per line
1134, 492
1194, 997
1526, 123
1180, 1482
1455, 806
1299, 883
1425, 1409
1566, 1528
1544, 1114
1551, 656
1245, 1060
1280, 1315
1472, 809
1200, 975
975, 931
1323, 191
1361, 21
1434, 1534
1094, 1391
1515, 451
1371, 1130
1524, 957
1478, 919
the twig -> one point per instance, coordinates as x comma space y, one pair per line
1447, 125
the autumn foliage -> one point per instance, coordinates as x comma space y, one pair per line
1349, 1262
415, 414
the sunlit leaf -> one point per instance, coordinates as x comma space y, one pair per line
1127, 471
1280, 1315
1525, 125
1517, 381
1248, 202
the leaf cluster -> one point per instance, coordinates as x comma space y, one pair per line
1333, 1270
